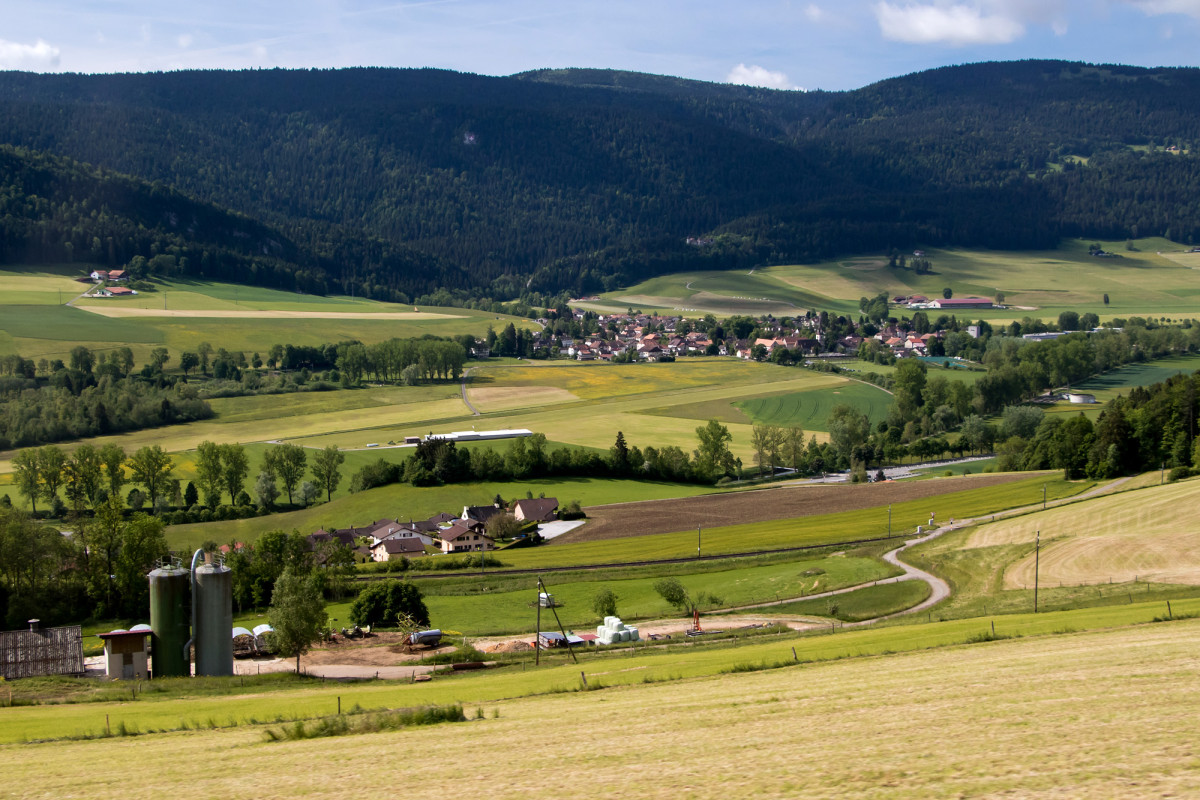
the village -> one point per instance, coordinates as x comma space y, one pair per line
655, 338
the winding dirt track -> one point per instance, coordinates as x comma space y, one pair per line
622, 520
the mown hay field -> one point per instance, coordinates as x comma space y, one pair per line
1148, 534
1103, 713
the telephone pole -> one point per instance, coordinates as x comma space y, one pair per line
1037, 553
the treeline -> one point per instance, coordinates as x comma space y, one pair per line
438, 461
463, 188
1154, 427
98, 571
92, 395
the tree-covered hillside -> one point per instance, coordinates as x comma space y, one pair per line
400, 183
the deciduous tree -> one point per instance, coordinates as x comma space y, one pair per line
297, 614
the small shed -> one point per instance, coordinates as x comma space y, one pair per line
548, 639
126, 653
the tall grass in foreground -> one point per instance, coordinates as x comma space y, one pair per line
371, 722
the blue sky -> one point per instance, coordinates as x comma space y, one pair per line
809, 44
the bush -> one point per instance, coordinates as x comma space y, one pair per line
1179, 473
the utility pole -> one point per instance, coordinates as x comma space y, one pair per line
1037, 553
697, 541
537, 639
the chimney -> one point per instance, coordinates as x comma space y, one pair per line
33, 625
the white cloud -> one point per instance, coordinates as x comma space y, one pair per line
185, 40
814, 12
946, 24
755, 75
1156, 8
42, 55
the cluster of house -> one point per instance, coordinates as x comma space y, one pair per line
387, 539
650, 337
107, 277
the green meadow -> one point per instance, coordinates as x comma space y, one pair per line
482, 614
1157, 278
811, 410
640, 666
36, 322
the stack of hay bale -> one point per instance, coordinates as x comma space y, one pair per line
614, 631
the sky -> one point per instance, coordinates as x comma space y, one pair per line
800, 45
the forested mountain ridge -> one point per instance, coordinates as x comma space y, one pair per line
400, 183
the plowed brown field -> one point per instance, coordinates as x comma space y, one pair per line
623, 520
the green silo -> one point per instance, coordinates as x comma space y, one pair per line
214, 620
169, 589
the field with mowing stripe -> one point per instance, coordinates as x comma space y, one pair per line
1026, 717
1148, 534
811, 410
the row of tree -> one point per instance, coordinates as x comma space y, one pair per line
91, 477
438, 461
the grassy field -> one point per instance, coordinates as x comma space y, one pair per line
1120, 380
1156, 279
862, 604
35, 323
1112, 549
615, 397
513, 612
1147, 535
811, 410
1031, 716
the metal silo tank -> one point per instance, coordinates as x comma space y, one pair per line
169, 589
214, 620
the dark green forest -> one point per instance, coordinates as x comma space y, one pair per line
428, 185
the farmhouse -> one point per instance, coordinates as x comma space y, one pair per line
397, 547
458, 538
961, 302
538, 510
